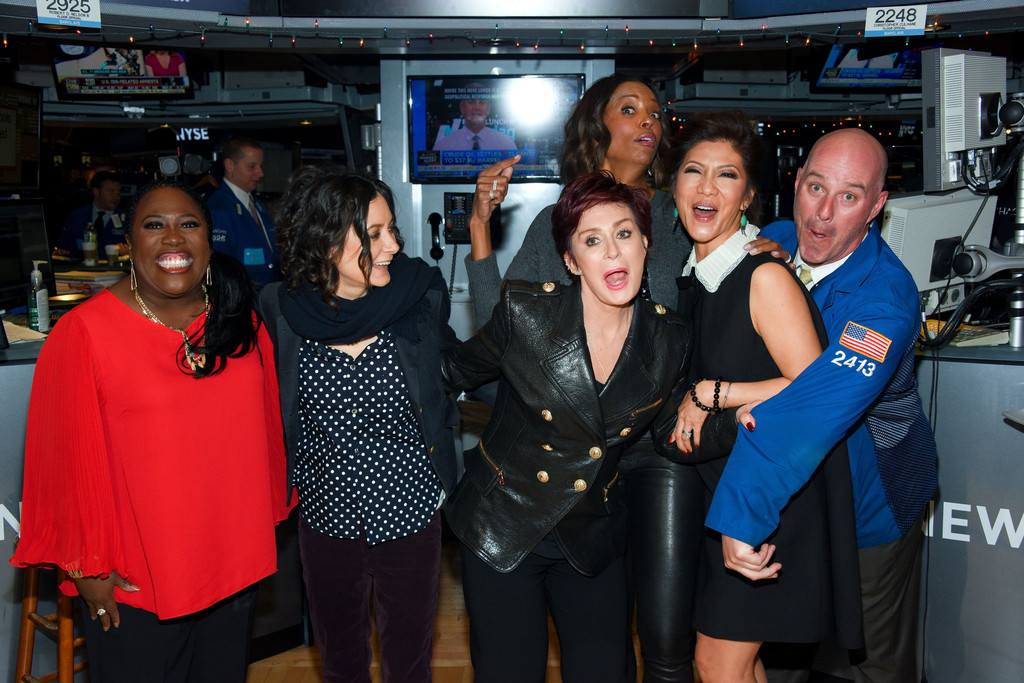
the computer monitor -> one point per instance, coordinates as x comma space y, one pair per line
924, 230
22, 239
960, 99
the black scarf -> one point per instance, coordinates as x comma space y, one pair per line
349, 320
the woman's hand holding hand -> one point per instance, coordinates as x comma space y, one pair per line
99, 596
744, 417
753, 564
491, 190
763, 245
689, 420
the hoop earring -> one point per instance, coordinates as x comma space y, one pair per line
132, 282
209, 275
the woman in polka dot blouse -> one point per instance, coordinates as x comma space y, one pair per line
358, 329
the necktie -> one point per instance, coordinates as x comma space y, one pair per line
254, 212
98, 224
804, 273
476, 142
259, 221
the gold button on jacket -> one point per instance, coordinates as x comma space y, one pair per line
580, 485
546, 414
596, 452
542, 477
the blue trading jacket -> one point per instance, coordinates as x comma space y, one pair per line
862, 388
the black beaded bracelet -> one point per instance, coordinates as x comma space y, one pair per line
696, 401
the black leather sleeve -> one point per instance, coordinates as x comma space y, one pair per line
476, 361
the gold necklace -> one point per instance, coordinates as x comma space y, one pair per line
195, 360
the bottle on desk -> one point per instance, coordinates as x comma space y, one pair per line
90, 246
38, 301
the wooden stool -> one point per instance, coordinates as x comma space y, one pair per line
59, 627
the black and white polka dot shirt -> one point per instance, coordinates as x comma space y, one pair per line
361, 462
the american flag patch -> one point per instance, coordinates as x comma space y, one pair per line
864, 340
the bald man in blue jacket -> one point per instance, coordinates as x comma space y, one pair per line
862, 389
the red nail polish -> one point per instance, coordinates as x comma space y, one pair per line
750, 428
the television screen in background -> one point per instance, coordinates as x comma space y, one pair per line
87, 71
20, 112
879, 66
460, 125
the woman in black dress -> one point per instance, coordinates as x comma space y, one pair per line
758, 331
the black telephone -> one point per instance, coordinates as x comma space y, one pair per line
458, 206
457, 209
436, 250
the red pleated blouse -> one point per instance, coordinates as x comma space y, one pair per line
131, 466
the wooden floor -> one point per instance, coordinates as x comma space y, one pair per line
451, 642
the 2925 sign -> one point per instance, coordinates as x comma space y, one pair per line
73, 13
75, 6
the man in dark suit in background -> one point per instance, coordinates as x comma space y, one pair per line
242, 226
102, 213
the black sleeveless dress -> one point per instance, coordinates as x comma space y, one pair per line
817, 593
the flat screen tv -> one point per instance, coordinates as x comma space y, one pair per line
460, 125
110, 72
20, 115
871, 66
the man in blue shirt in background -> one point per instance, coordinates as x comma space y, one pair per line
242, 226
861, 389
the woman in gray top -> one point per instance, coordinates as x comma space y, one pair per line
617, 126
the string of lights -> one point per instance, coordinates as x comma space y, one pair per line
318, 38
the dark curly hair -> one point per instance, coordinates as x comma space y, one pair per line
587, 139
229, 331
740, 131
588, 191
318, 208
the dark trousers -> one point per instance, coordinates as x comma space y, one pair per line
403, 577
666, 533
890, 585
211, 646
508, 632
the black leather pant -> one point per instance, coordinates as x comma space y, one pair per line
666, 530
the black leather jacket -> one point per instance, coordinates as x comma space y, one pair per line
549, 457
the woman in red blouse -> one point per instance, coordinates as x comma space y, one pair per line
154, 463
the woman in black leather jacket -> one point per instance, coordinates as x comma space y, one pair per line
617, 126
584, 370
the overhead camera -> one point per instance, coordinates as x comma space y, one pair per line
1011, 114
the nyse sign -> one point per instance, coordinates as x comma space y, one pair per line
186, 134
